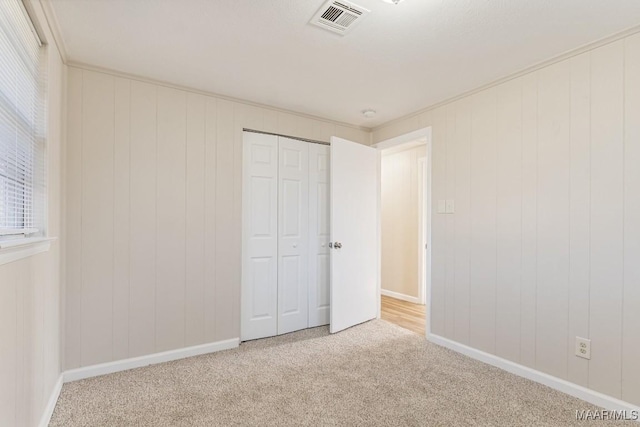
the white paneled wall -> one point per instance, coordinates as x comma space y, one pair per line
553, 190
545, 241
631, 248
30, 288
153, 214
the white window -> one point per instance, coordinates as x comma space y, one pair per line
22, 145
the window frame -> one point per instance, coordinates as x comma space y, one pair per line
16, 243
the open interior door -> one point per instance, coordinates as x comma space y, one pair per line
354, 234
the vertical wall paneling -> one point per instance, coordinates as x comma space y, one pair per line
529, 260
461, 233
34, 332
631, 296
250, 117
352, 134
97, 228
22, 356
607, 217
509, 218
171, 227
554, 178
73, 214
323, 131
28, 341
210, 223
48, 267
9, 351
154, 175
225, 230
286, 124
195, 232
269, 121
23, 351
304, 126
554, 111
450, 219
438, 221
121, 209
28, 338
579, 216
483, 223
143, 247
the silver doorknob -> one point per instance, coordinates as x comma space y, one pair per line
337, 245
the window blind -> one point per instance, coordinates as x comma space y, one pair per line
20, 115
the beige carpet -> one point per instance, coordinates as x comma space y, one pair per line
376, 374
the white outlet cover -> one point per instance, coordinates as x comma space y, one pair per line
442, 206
583, 348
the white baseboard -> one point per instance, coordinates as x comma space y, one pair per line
51, 403
588, 395
400, 296
151, 359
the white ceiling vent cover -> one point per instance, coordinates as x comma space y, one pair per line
339, 16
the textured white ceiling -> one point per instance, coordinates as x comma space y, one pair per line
400, 59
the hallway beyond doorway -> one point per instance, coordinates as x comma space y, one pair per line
403, 313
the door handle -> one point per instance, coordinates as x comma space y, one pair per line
337, 245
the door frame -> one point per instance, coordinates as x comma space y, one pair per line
422, 229
425, 286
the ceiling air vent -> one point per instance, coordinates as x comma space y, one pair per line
339, 16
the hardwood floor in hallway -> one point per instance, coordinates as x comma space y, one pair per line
403, 313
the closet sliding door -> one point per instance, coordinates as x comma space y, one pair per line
285, 235
259, 296
293, 235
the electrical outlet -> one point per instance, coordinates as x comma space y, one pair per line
583, 348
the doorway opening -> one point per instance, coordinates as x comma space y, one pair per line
404, 230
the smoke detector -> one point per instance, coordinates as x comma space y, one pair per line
369, 114
339, 16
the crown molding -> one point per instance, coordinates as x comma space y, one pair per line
559, 58
98, 69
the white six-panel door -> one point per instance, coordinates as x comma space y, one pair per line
293, 233
259, 296
318, 235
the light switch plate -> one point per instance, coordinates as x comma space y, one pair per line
451, 206
442, 206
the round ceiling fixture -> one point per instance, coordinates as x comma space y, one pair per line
369, 114
393, 1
